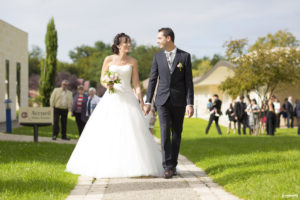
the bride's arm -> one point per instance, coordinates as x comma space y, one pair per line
105, 67
136, 82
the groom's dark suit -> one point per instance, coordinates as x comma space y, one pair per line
175, 90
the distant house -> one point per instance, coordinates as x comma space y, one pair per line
206, 86
13, 68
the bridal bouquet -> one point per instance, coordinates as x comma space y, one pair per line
111, 78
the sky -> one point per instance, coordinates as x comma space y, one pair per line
201, 27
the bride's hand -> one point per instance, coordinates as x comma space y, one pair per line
110, 86
142, 107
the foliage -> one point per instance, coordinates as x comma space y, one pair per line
34, 60
48, 66
203, 65
270, 61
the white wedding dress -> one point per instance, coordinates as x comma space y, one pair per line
116, 141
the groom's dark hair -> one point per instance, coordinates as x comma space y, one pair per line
168, 32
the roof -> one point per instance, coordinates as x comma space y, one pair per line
221, 63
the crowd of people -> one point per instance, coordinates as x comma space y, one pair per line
81, 106
257, 119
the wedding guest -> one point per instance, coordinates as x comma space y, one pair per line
263, 116
240, 114
215, 113
254, 111
290, 112
61, 101
231, 118
298, 115
92, 101
277, 111
271, 117
79, 108
284, 111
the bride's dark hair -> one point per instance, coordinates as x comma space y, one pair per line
118, 40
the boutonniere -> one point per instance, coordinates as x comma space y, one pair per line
180, 66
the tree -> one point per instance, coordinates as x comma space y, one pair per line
270, 61
48, 66
34, 59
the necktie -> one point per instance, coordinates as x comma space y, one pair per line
169, 54
89, 106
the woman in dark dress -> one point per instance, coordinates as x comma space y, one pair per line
283, 111
231, 118
79, 109
271, 117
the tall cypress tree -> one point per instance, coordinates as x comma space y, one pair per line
48, 66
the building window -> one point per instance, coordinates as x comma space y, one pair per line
7, 79
19, 83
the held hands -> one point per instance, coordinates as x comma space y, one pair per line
190, 111
147, 108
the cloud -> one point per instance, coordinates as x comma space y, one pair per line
201, 27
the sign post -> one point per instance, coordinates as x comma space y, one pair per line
35, 117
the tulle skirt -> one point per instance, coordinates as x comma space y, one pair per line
116, 141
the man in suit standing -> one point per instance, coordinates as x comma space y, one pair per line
174, 97
298, 115
61, 100
241, 115
290, 113
215, 113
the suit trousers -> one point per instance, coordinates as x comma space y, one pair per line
171, 121
243, 121
212, 118
271, 123
290, 120
61, 114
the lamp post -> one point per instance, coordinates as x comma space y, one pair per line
8, 115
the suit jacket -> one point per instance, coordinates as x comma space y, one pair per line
239, 110
217, 105
298, 109
290, 109
175, 84
84, 118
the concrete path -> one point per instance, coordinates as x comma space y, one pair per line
191, 183
28, 138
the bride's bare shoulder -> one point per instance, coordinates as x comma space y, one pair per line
109, 59
132, 61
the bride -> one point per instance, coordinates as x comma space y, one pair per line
116, 141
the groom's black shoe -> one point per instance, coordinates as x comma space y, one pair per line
174, 172
168, 174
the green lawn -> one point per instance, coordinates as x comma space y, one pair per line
35, 171
251, 167
46, 131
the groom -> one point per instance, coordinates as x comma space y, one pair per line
175, 95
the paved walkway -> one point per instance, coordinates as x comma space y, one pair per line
191, 183
28, 138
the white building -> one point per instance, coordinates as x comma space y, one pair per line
13, 68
